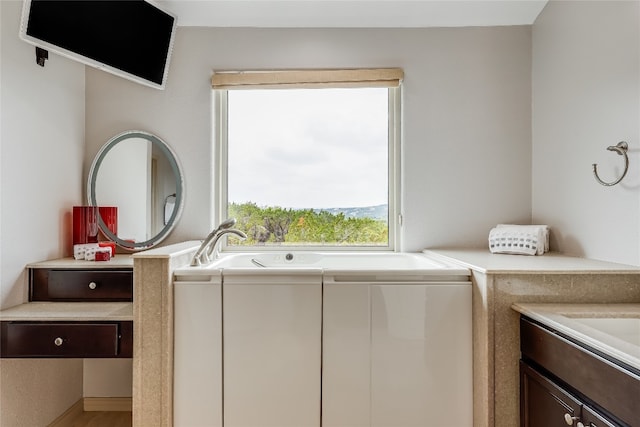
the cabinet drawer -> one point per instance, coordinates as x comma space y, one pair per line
615, 390
66, 339
81, 285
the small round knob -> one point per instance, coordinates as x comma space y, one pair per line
58, 341
93, 285
579, 424
569, 419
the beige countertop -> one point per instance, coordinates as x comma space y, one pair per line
118, 261
565, 318
69, 311
482, 260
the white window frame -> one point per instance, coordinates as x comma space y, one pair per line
220, 134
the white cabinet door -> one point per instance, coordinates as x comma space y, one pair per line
421, 355
197, 387
346, 346
398, 355
272, 350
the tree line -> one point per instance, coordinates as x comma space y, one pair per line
276, 225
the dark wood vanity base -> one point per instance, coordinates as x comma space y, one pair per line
66, 339
564, 383
76, 309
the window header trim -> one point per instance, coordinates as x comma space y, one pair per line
304, 79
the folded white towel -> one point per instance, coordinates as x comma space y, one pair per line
519, 239
544, 229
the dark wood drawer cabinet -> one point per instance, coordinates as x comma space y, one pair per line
564, 383
76, 309
48, 284
66, 339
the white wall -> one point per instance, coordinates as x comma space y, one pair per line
586, 96
41, 154
466, 106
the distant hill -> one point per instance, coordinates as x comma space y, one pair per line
380, 212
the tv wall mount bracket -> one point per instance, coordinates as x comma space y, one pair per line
41, 56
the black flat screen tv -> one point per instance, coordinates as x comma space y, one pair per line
130, 38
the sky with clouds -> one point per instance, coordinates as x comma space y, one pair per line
308, 148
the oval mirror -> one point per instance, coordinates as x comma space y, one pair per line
139, 174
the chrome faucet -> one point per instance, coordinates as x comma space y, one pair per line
208, 246
213, 252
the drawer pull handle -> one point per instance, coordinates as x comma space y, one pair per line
58, 341
93, 285
569, 419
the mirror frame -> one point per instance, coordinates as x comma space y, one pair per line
175, 167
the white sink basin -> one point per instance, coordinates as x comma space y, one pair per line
624, 328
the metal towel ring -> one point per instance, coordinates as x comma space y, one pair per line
620, 148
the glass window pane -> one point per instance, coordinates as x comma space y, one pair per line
309, 166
